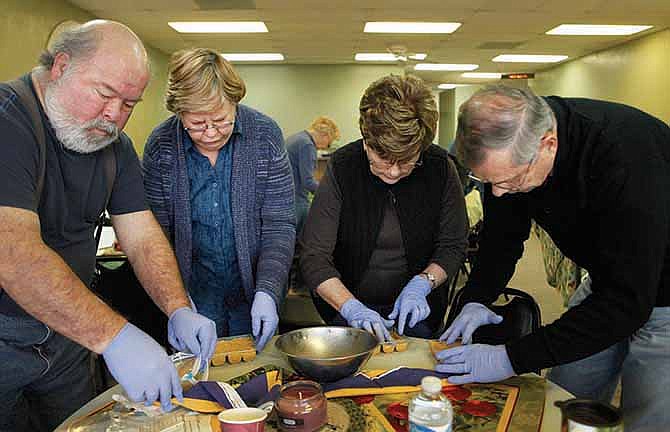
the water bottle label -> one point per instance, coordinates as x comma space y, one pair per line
413, 427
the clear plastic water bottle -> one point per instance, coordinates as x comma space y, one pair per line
430, 410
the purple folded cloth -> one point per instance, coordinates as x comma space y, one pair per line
400, 376
255, 391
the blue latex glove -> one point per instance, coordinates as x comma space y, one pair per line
191, 332
142, 367
412, 300
473, 316
360, 316
264, 319
477, 363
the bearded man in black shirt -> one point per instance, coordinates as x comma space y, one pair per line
60, 127
596, 176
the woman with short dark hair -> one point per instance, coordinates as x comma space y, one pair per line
388, 226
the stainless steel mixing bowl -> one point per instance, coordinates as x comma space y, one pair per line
327, 354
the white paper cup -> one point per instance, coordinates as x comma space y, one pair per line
242, 420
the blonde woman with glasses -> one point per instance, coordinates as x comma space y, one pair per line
387, 226
302, 152
218, 179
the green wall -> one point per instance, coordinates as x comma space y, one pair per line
636, 73
25, 26
151, 111
447, 115
31, 22
294, 94
461, 94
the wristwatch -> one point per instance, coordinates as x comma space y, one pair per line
430, 278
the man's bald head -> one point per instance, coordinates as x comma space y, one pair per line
93, 75
82, 41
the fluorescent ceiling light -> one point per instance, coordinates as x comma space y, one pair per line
446, 86
253, 57
410, 27
597, 30
485, 75
219, 26
445, 67
418, 56
390, 57
375, 57
528, 58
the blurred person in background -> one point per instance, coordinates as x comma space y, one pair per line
302, 152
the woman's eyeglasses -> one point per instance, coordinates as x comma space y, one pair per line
385, 166
219, 126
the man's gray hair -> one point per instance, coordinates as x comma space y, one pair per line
79, 42
498, 117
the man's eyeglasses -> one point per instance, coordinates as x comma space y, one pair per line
513, 184
219, 126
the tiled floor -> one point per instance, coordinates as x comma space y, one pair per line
531, 278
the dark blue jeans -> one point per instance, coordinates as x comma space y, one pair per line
43, 370
640, 360
230, 321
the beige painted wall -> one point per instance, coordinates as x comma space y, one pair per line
25, 26
636, 73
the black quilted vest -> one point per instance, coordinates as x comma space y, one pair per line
417, 200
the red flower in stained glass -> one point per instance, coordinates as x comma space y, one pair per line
360, 400
398, 415
478, 408
456, 392
398, 425
398, 410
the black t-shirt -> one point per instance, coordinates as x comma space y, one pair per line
75, 186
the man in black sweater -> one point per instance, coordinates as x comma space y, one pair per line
596, 176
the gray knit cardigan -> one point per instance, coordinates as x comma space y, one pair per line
262, 199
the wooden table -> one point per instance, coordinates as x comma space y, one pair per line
418, 355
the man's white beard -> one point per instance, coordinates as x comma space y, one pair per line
74, 135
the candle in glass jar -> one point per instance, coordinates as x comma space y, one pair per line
301, 406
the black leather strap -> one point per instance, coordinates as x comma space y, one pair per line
109, 166
29, 101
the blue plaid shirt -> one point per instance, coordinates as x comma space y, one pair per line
216, 286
